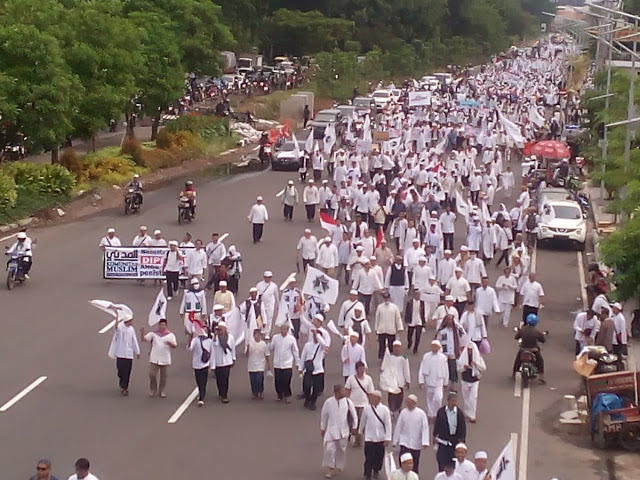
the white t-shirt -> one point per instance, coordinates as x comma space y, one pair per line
160, 347
258, 353
173, 261
531, 293
110, 242
357, 396
90, 476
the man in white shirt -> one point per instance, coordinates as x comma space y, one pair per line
506, 288
171, 267
284, 352
348, 306
465, 468
196, 261
351, 354
311, 199
124, 345
223, 357
486, 300
448, 226
412, 431
307, 249
446, 269
585, 326
328, 257
82, 466
621, 330
458, 287
532, 296
449, 471
447, 308
405, 472
258, 216
110, 240
366, 282
412, 256
434, 376
268, 295
311, 365
375, 426
216, 251
387, 325
473, 323
257, 352
157, 240
474, 270
162, 341
142, 239
338, 420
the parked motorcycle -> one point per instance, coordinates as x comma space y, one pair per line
132, 201
15, 273
184, 211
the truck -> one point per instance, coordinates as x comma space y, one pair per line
249, 60
228, 61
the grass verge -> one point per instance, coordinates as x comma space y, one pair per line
30, 202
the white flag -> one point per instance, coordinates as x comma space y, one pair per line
320, 285
333, 329
159, 308
513, 131
389, 465
504, 467
535, 117
308, 143
296, 147
116, 310
235, 325
329, 138
548, 214
462, 206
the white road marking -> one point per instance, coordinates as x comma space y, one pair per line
517, 388
8, 237
22, 394
107, 327
182, 408
534, 260
524, 435
583, 286
514, 442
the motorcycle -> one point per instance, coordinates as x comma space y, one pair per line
264, 87
265, 153
184, 210
15, 272
113, 125
528, 368
131, 201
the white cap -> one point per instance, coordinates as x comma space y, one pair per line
353, 333
353, 292
222, 323
217, 306
405, 457
359, 249
223, 283
432, 277
436, 342
448, 298
194, 280
111, 230
22, 236
267, 273
372, 257
253, 289
398, 343
319, 316
157, 232
464, 248
458, 269
415, 240
311, 180
327, 239
462, 446
448, 251
422, 258
413, 397
290, 182
376, 393
616, 305
481, 455
259, 198
143, 227
325, 181
173, 242
307, 230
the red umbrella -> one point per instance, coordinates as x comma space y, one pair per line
551, 149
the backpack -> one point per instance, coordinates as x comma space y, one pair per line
532, 222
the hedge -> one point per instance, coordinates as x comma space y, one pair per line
8, 192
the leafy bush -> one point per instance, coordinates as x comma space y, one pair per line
111, 170
70, 160
25, 175
207, 127
190, 142
57, 179
165, 139
8, 193
133, 148
157, 159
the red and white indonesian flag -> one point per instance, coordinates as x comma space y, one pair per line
116, 310
504, 467
320, 285
158, 309
328, 222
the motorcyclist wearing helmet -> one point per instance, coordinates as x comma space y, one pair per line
190, 192
136, 185
530, 337
22, 248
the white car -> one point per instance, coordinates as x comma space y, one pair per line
381, 98
395, 94
563, 220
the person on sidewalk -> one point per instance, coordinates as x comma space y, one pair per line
257, 352
375, 427
412, 431
258, 216
162, 341
124, 345
201, 347
434, 376
222, 359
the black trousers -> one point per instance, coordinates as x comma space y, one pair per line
445, 454
504, 256
295, 323
317, 175
306, 262
411, 333
382, 339
288, 212
366, 301
222, 380
258, 229
447, 241
395, 401
474, 196
282, 380
459, 306
312, 386
172, 282
415, 454
311, 211
202, 375
123, 366
373, 457
526, 310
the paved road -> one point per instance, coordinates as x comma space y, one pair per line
50, 330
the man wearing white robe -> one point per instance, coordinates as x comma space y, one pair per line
395, 377
473, 323
471, 365
486, 300
269, 297
434, 375
335, 430
352, 353
375, 426
412, 431
506, 288
465, 468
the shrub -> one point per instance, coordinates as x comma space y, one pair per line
57, 179
206, 127
157, 159
165, 139
102, 167
133, 148
25, 175
70, 160
8, 193
189, 142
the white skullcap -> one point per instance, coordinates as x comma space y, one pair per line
217, 306
157, 232
462, 446
422, 258
359, 249
267, 273
111, 230
464, 248
223, 283
253, 289
436, 342
447, 251
413, 398
259, 198
173, 242
290, 182
397, 343
458, 269
143, 227
307, 230
481, 455
448, 298
194, 281
353, 292
405, 457
222, 323
376, 393
319, 316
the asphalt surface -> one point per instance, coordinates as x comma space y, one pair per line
49, 329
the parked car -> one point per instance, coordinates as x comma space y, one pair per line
347, 111
364, 105
550, 194
324, 118
395, 94
566, 223
285, 159
381, 98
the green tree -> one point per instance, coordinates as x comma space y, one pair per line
41, 85
620, 251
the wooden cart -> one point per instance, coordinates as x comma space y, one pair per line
621, 425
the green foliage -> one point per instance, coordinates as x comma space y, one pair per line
41, 179
207, 127
55, 179
620, 251
133, 148
8, 193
